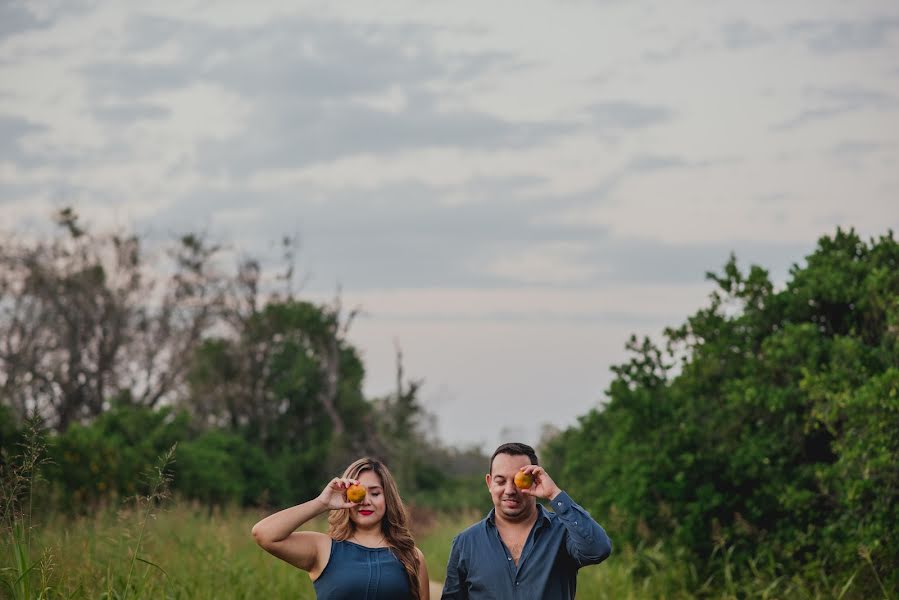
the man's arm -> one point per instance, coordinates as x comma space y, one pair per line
456, 586
586, 542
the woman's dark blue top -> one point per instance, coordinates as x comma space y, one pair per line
357, 572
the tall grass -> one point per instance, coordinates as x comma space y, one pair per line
186, 552
160, 481
26, 577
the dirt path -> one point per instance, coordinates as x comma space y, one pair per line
436, 590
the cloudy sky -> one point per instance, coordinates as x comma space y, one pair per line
509, 189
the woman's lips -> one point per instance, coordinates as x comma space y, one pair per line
365, 513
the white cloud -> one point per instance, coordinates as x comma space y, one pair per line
547, 264
528, 303
393, 100
494, 164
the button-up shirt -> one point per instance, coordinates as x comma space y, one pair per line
560, 542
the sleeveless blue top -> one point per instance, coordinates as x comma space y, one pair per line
357, 572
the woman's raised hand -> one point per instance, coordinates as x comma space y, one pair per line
333, 496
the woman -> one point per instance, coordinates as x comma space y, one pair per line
368, 553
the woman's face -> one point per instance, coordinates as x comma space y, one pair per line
370, 511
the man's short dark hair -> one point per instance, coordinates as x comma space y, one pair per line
514, 449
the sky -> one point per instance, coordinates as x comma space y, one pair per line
508, 190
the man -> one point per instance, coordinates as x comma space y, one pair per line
521, 550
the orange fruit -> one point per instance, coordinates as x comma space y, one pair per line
523, 480
356, 493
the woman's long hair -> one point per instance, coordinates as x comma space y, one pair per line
394, 524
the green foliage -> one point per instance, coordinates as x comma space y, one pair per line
765, 424
10, 436
263, 391
109, 457
451, 494
259, 426
220, 468
286, 383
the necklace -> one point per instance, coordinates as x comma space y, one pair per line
379, 544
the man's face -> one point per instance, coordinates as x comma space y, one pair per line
510, 503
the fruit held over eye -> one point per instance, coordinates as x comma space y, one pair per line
356, 493
523, 480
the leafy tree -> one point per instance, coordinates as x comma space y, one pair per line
765, 424
287, 381
285, 372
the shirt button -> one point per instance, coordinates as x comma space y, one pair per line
560, 504
575, 522
510, 558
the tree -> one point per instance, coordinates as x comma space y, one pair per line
288, 362
84, 318
764, 424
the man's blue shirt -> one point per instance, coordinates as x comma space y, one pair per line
560, 542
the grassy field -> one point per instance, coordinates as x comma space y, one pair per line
191, 553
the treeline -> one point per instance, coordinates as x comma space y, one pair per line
122, 352
764, 430
759, 436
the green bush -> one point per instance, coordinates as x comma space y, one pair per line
764, 425
208, 472
110, 457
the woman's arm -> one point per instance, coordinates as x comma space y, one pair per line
424, 584
307, 550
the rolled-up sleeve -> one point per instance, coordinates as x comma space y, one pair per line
586, 541
455, 588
